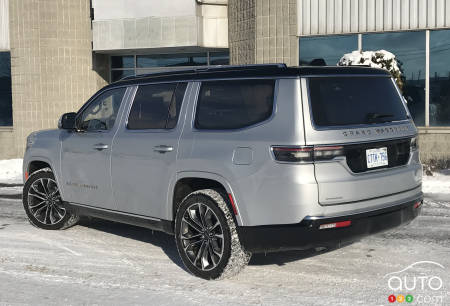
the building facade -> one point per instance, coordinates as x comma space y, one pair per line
54, 54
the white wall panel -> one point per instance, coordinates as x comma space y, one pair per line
319, 17
4, 25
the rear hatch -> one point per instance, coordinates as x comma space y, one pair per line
363, 119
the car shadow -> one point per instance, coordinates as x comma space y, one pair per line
164, 241
167, 243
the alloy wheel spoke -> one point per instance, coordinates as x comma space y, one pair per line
192, 225
34, 187
43, 187
211, 254
37, 196
199, 253
202, 215
38, 204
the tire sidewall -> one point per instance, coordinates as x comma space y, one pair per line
34, 177
208, 201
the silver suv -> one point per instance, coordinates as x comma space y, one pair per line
233, 160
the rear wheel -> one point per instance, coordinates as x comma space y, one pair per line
43, 204
206, 236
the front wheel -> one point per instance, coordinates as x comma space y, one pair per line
206, 236
43, 204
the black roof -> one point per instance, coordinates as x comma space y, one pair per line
249, 71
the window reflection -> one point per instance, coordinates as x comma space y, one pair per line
5, 90
439, 78
409, 49
328, 48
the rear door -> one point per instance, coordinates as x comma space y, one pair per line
145, 149
365, 119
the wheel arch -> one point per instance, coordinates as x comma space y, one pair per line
187, 182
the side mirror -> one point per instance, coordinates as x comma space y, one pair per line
67, 121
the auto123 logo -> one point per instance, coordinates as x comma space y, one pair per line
419, 283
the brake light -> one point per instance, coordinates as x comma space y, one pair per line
306, 153
293, 154
336, 224
328, 152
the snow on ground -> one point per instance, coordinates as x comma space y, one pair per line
106, 263
438, 183
11, 171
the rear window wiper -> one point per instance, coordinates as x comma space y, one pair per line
377, 118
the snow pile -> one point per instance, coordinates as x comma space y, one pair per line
438, 183
374, 59
11, 171
377, 59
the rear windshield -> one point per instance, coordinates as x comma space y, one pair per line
337, 101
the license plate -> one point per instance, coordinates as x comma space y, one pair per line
376, 157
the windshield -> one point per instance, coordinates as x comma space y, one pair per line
339, 101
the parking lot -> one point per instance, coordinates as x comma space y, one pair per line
101, 262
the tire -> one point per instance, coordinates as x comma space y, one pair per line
42, 202
206, 236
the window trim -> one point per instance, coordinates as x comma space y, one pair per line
132, 100
270, 118
93, 98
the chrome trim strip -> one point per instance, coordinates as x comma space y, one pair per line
114, 211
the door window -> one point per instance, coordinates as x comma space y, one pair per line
225, 105
156, 106
101, 113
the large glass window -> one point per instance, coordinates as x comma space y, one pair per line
224, 105
123, 66
409, 49
440, 78
5, 90
354, 100
171, 60
328, 48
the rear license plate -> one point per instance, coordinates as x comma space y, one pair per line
376, 157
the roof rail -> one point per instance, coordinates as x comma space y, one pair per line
214, 68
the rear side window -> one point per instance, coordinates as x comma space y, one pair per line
337, 101
156, 106
224, 105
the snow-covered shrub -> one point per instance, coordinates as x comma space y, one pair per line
378, 59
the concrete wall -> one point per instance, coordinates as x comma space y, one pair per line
158, 24
131, 9
7, 143
263, 31
320, 17
51, 62
434, 144
4, 25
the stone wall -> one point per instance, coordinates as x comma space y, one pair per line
51, 62
263, 31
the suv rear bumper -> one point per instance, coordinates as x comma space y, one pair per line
306, 234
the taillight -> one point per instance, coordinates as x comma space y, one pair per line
414, 144
327, 152
293, 154
306, 153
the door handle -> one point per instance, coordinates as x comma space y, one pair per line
100, 146
163, 149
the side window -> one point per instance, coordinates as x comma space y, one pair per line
156, 106
224, 105
102, 112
